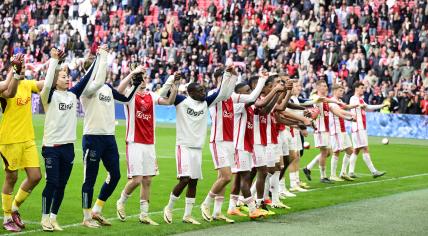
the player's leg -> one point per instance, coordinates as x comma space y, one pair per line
353, 162
190, 201
91, 162
30, 162
235, 189
325, 152
145, 200
346, 159
110, 159
52, 157
10, 162
245, 185
216, 191
65, 167
134, 157
367, 159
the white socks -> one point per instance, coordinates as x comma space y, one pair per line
209, 199
352, 163
253, 188
345, 164
87, 214
267, 186
250, 203
123, 197
53, 216
172, 200
281, 185
144, 208
369, 163
313, 162
45, 216
189, 206
333, 167
322, 172
218, 203
233, 201
274, 186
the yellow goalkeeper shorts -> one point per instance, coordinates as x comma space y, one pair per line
19, 155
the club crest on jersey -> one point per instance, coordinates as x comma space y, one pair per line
23, 101
104, 98
227, 114
192, 112
65, 106
249, 125
143, 116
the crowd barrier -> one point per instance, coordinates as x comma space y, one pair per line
384, 125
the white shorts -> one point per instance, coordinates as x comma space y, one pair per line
243, 161
141, 160
283, 143
259, 157
340, 142
322, 139
273, 154
291, 141
189, 162
222, 153
360, 139
298, 139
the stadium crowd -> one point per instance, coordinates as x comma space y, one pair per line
381, 43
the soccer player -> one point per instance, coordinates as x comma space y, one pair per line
192, 112
140, 142
340, 140
60, 104
322, 132
359, 131
263, 107
17, 147
221, 146
99, 143
243, 141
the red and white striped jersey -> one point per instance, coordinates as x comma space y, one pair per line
243, 127
321, 123
360, 124
273, 129
260, 127
337, 124
141, 118
222, 121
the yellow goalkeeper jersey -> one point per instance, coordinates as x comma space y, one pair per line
16, 124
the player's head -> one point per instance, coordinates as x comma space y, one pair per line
338, 90
322, 87
252, 82
268, 85
196, 91
297, 88
359, 88
242, 88
61, 77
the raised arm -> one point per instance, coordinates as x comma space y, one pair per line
82, 84
53, 63
171, 98
9, 87
248, 98
226, 88
265, 101
167, 86
373, 107
126, 81
100, 74
342, 113
269, 107
122, 98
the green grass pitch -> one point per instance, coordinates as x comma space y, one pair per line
403, 159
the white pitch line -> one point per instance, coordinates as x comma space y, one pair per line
311, 190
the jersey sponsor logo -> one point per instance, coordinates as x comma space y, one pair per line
227, 114
104, 98
23, 101
65, 106
143, 116
192, 112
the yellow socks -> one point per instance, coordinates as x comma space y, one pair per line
98, 207
20, 197
6, 200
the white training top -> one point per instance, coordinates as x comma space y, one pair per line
60, 106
